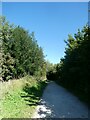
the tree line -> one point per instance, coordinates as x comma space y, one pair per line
20, 53
73, 70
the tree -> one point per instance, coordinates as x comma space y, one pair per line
7, 61
20, 52
73, 70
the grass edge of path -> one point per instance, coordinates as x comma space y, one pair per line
13, 104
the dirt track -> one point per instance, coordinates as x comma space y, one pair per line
57, 102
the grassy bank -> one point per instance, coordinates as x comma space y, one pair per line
20, 97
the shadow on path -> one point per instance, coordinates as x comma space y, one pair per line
57, 102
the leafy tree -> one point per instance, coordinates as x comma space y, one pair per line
20, 52
6, 44
74, 73
73, 70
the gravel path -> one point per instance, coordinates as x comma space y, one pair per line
57, 102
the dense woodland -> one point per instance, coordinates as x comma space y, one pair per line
20, 55
73, 70
19, 52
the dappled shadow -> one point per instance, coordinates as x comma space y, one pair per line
46, 113
43, 110
32, 94
54, 104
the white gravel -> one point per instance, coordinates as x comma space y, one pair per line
57, 102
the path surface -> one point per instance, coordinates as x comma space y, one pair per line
57, 102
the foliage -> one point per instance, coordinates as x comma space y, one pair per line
51, 71
73, 70
21, 55
6, 42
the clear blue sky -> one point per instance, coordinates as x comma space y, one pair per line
51, 22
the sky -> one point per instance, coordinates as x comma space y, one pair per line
51, 22
45, 0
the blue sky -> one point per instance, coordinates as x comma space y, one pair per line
51, 22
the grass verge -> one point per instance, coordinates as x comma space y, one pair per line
21, 97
